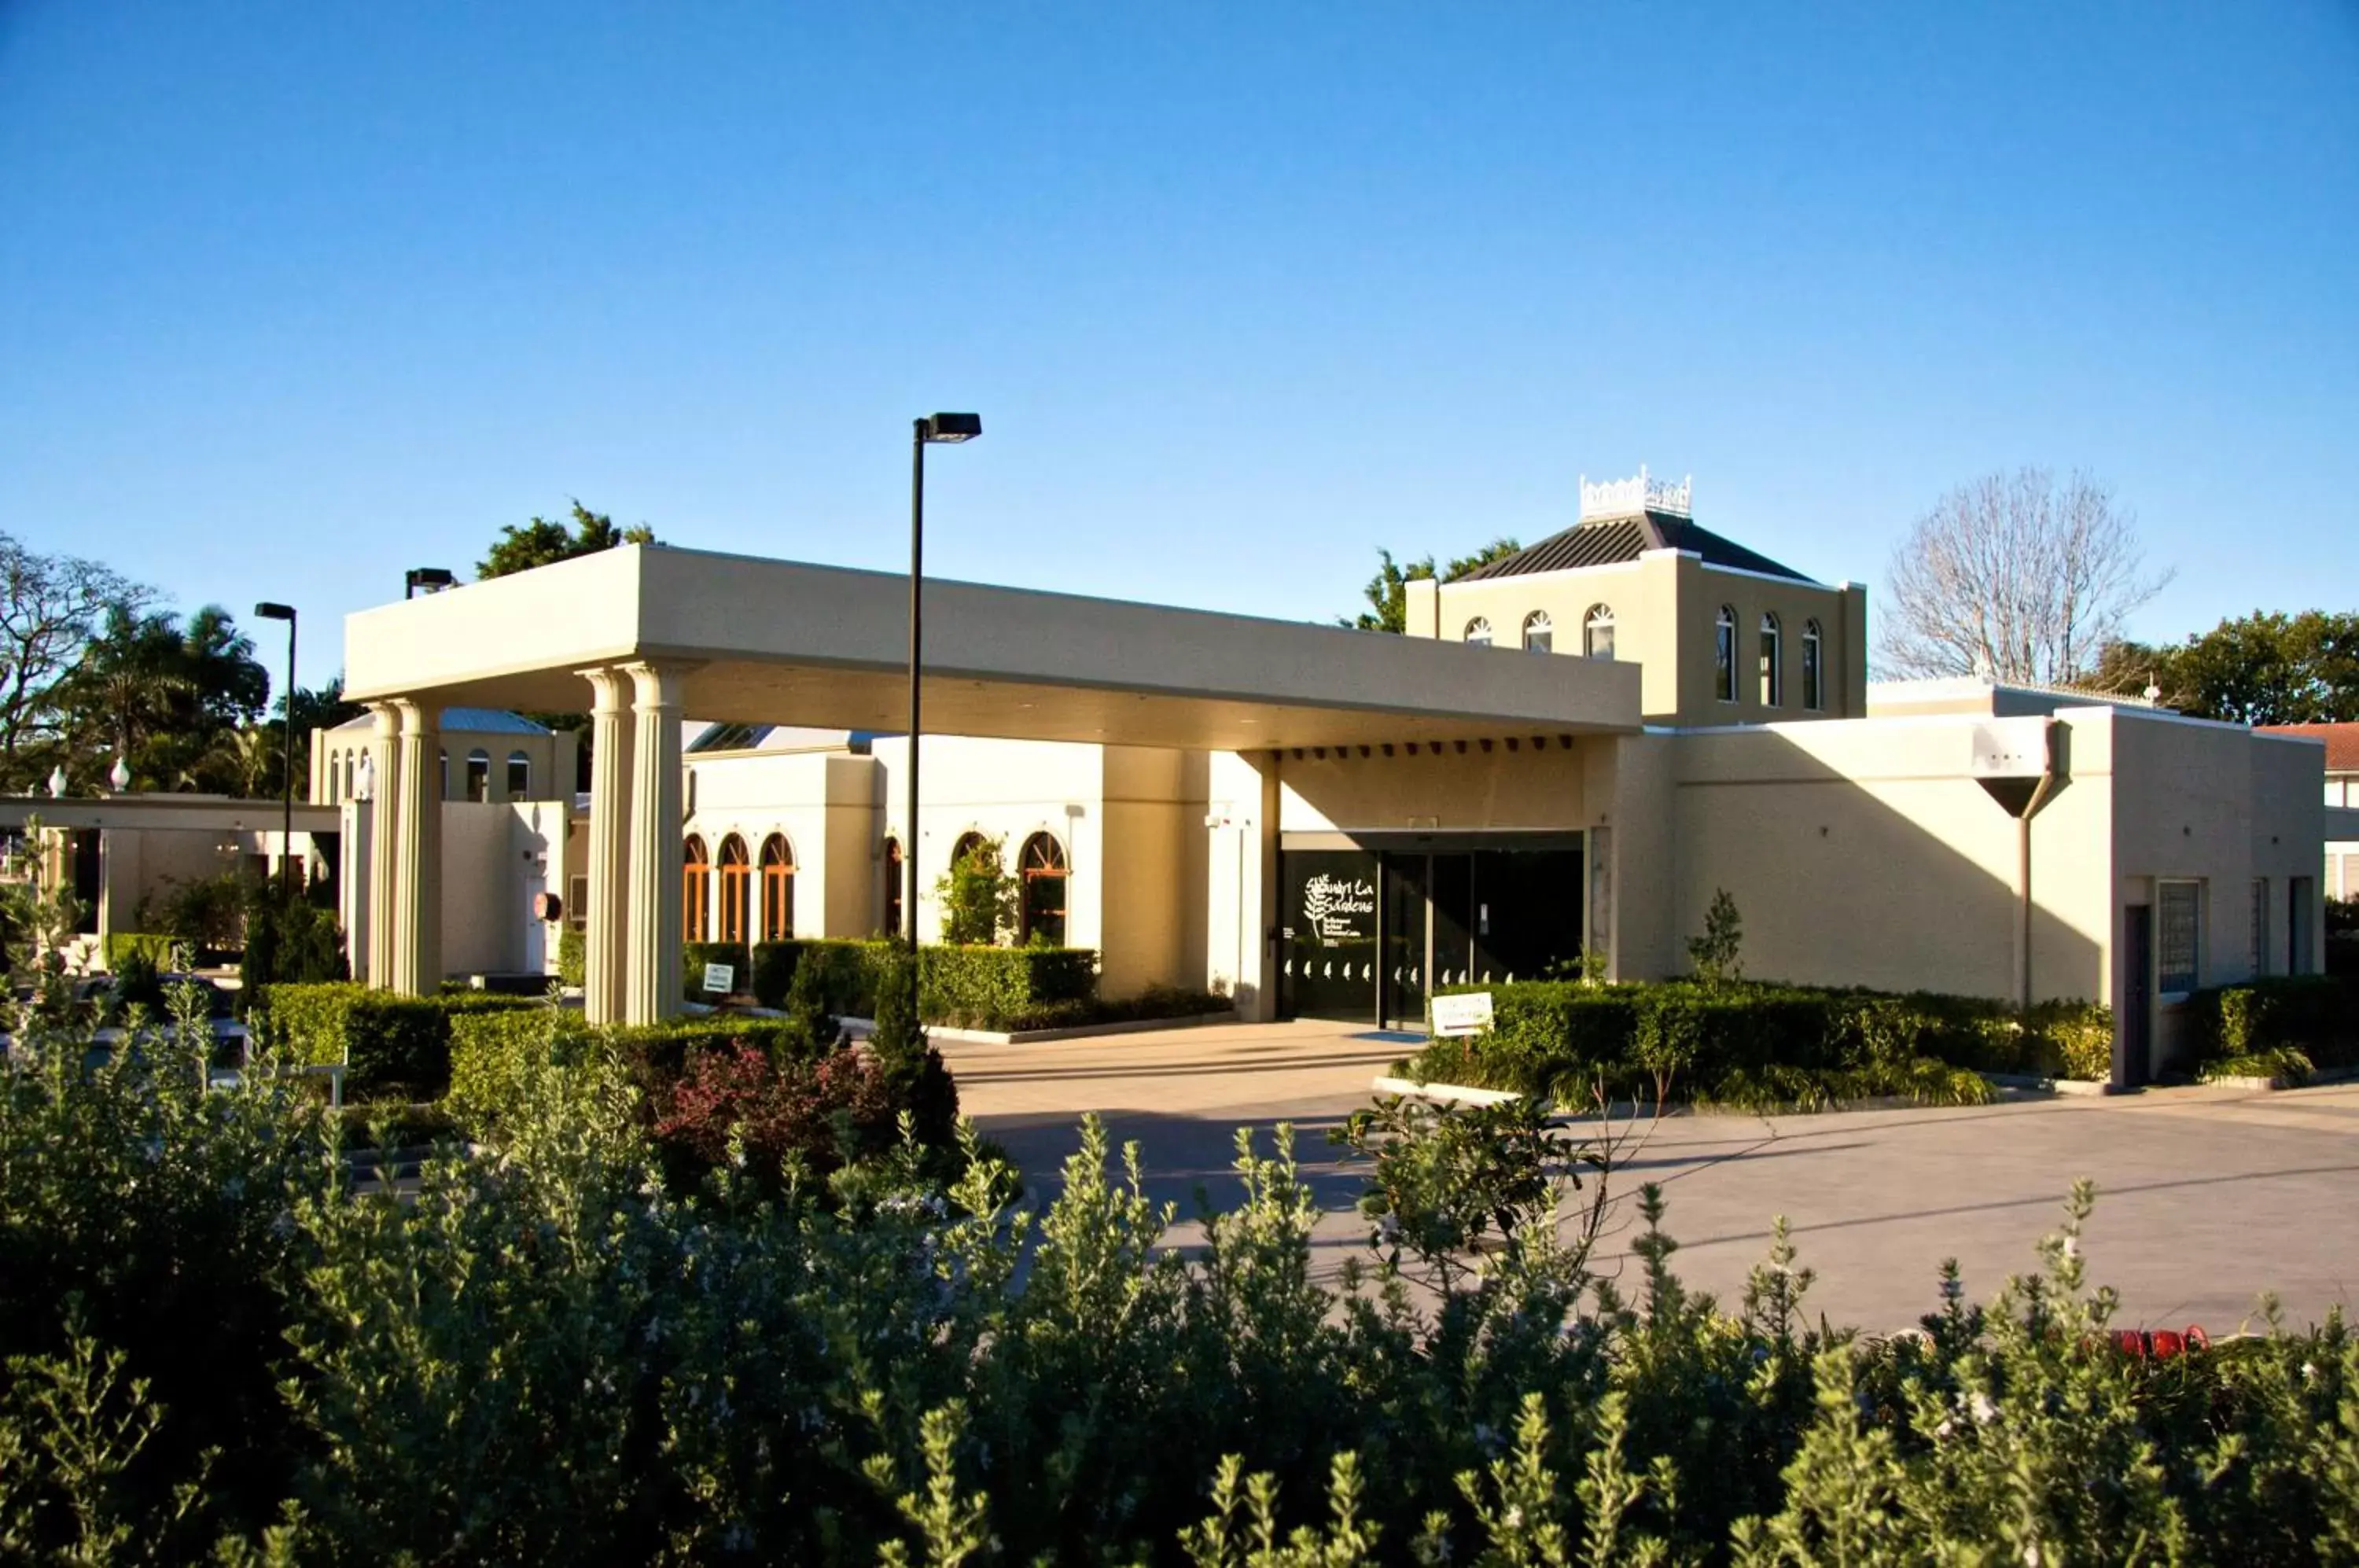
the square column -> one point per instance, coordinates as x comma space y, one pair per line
1241, 863
418, 921
653, 939
607, 917
384, 843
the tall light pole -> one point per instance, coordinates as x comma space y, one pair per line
935, 430
269, 611
433, 579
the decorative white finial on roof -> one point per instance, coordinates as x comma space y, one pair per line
1628, 497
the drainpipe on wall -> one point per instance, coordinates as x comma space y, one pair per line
2005, 754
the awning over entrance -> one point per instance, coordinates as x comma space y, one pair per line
777, 641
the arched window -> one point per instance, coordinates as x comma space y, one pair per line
736, 883
352, 773
1773, 667
1597, 632
1539, 633
519, 777
1043, 869
696, 891
968, 842
479, 774
1478, 633
1814, 679
778, 888
895, 875
1723, 656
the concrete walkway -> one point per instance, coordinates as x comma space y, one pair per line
2207, 1197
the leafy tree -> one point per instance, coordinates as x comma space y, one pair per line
1387, 591
166, 697
49, 607
1716, 954
2261, 668
2013, 576
542, 543
979, 898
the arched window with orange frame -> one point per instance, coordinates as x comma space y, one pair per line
736, 885
1042, 866
696, 891
778, 888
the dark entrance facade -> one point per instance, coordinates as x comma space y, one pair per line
1368, 927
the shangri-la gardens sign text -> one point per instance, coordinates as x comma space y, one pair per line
1334, 905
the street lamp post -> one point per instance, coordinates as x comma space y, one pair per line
936, 430
433, 579
269, 611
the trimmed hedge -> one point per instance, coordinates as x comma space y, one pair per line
391, 1045
981, 987
1563, 1038
697, 954
966, 988
572, 957
850, 968
155, 946
2316, 1015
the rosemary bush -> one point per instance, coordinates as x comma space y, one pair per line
217, 1338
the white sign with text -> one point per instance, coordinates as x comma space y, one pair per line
721, 978
1470, 1014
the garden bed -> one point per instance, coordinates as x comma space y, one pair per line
1088, 1029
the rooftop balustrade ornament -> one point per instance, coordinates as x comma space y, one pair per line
1641, 492
58, 782
119, 775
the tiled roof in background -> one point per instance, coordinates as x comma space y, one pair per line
1608, 541
2342, 742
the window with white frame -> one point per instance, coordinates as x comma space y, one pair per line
1539, 633
1773, 670
1478, 633
1597, 632
1814, 669
1724, 655
2179, 938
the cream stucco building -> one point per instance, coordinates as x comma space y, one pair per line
1573, 750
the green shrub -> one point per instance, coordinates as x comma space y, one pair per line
289, 940
2071, 1039
697, 954
391, 1046
155, 947
980, 987
1760, 1044
2316, 1015
572, 956
848, 969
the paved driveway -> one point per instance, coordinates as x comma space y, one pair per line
2207, 1197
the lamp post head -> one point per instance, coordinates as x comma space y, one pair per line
433, 579
947, 429
270, 610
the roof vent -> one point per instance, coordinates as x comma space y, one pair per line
1628, 497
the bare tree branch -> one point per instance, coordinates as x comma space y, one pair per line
50, 605
2015, 577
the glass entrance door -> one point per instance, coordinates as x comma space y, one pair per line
1327, 967
1407, 878
1366, 937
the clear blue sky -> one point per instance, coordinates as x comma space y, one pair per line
294, 296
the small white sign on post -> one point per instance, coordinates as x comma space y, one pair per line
721, 978
1469, 1014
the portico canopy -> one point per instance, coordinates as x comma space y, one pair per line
756, 641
